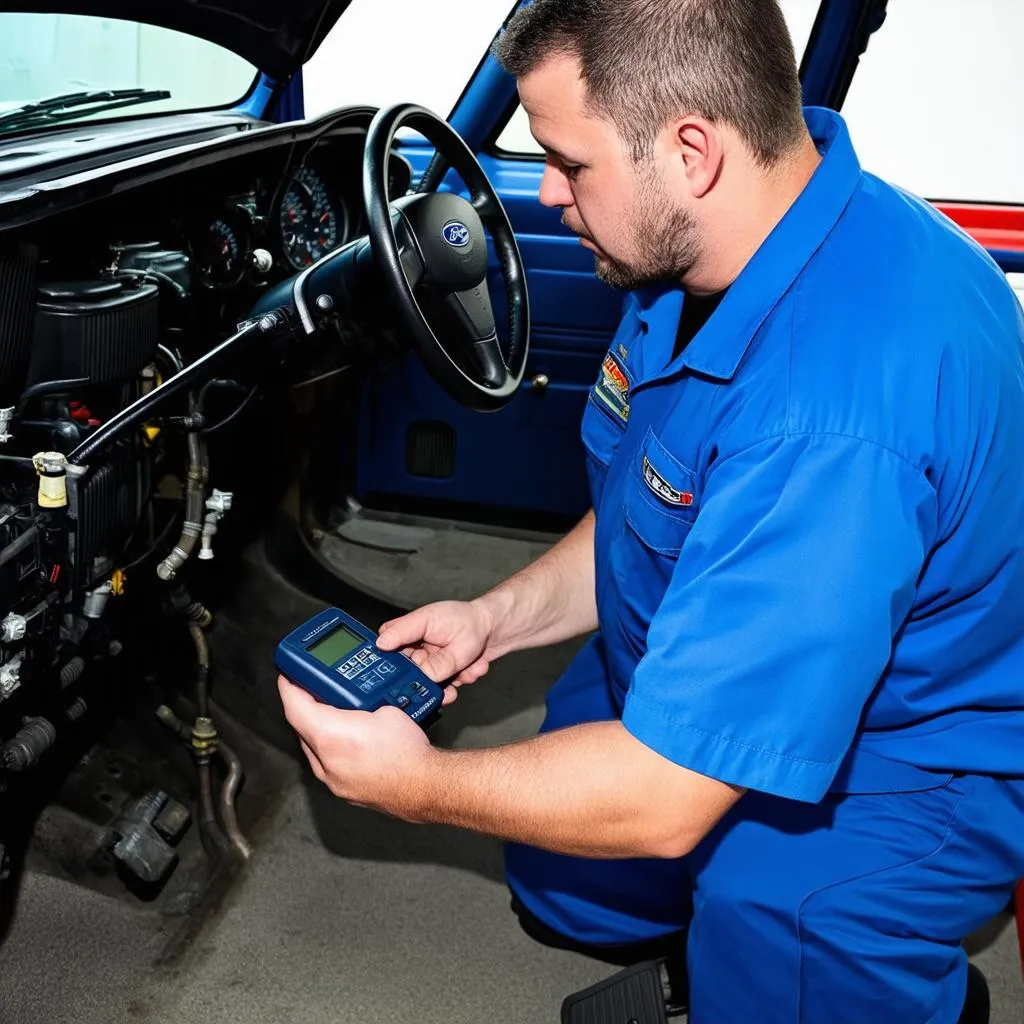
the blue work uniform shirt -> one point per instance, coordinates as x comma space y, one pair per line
810, 523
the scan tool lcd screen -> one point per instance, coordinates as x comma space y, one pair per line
334, 647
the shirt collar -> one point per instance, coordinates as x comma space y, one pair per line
720, 345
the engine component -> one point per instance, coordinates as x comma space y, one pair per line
20, 554
18, 269
10, 676
29, 745
108, 509
6, 415
141, 850
172, 821
13, 628
275, 327
72, 672
217, 505
198, 474
52, 511
96, 331
229, 790
52, 468
76, 711
95, 603
171, 267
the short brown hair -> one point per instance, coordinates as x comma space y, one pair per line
645, 62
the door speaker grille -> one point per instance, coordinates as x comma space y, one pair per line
430, 450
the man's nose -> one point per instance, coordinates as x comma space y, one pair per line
554, 188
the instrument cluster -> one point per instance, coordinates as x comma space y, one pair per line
288, 226
311, 222
288, 223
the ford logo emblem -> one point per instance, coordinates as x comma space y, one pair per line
456, 233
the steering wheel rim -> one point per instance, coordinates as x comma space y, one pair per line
438, 240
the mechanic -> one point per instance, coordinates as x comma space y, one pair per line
797, 734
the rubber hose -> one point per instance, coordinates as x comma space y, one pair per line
209, 827
72, 672
203, 672
15, 548
228, 793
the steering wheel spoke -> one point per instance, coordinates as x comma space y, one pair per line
487, 207
408, 251
473, 310
487, 356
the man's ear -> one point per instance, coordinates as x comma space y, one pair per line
699, 148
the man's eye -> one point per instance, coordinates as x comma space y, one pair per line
571, 171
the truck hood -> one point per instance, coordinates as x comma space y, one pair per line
276, 35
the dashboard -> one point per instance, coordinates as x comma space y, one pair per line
298, 221
226, 220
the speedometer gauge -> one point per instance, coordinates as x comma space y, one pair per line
311, 225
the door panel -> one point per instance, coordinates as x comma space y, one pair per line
417, 443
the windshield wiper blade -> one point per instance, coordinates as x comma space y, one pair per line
71, 105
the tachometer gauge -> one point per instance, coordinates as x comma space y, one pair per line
311, 225
221, 256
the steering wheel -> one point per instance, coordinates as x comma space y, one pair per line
430, 250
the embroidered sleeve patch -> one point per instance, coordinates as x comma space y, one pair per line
612, 390
661, 487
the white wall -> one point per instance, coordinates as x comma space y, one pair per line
393, 51
935, 104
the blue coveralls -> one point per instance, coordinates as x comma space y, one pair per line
810, 582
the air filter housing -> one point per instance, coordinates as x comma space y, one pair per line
100, 331
18, 266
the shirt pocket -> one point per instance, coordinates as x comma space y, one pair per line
660, 506
660, 498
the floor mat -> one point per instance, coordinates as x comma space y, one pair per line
412, 563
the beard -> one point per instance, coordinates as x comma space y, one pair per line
666, 242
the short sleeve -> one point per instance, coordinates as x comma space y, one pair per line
780, 617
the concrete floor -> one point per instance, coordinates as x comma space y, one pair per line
343, 916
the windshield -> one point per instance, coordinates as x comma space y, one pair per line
48, 56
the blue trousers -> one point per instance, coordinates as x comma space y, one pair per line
850, 910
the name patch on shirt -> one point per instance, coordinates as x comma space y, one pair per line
612, 389
661, 487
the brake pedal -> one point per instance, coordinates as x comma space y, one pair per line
635, 995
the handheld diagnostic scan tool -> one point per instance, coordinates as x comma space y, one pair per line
335, 658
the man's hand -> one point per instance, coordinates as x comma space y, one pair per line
551, 600
449, 640
588, 791
371, 760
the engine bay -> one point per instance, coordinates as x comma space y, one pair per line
120, 530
